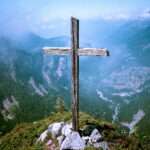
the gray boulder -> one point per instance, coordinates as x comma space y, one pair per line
73, 141
55, 129
95, 136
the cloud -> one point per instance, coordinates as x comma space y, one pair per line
146, 13
116, 16
49, 18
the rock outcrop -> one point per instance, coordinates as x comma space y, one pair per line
95, 136
51, 134
55, 129
69, 139
73, 141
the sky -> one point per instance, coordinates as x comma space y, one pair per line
43, 15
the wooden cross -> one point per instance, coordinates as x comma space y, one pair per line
75, 52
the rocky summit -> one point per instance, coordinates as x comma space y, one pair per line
55, 133
69, 139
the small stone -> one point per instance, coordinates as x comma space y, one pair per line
49, 142
73, 141
103, 145
50, 145
42, 136
95, 136
53, 146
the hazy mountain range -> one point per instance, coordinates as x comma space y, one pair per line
116, 88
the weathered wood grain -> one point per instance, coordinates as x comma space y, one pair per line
93, 52
75, 72
57, 50
80, 51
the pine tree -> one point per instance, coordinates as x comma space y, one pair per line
60, 105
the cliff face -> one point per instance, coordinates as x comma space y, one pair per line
28, 136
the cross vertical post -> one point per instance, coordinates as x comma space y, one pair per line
75, 72
75, 53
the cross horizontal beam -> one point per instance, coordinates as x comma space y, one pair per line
81, 51
57, 50
93, 52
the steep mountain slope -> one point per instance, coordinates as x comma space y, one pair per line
25, 75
